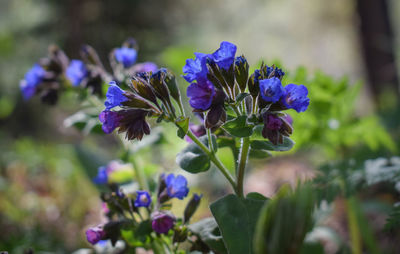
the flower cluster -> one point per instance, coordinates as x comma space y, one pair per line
120, 202
57, 72
148, 94
220, 82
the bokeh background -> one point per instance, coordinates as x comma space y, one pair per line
347, 50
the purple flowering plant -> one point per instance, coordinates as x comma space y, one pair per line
243, 111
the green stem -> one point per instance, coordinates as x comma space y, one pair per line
210, 143
214, 159
244, 152
141, 178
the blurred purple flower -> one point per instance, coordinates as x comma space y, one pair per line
76, 72
145, 67
126, 56
198, 131
143, 199
31, 80
95, 234
176, 186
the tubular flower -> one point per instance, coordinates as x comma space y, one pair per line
162, 221
95, 234
296, 97
271, 89
115, 96
143, 199
176, 186
110, 120
201, 94
225, 55
76, 72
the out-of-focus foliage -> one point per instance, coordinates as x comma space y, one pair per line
45, 198
331, 122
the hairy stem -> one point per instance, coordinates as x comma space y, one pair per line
214, 159
244, 152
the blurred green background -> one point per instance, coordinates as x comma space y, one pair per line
347, 49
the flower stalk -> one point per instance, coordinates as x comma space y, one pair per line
244, 152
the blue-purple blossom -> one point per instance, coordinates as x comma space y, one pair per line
271, 90
102, 176
95, 234
143, 199
296, 97
110, 120
196, 69
126, 56
76, 72
32, 79
162, 221
201, 94
145, 67
115, 96
225, 55
176, 186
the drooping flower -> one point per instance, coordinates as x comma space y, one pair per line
143, 199
275, 127
95, 234
76, 72
110, 120
115, 96
133, 122
271, 90
196, 69
201, 94
274, 122
32, 79
162, 221
176, 186
225, 55
295, 97
126, 56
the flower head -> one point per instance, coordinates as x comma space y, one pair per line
133, 122
126, 56
176, 186
162, 221
295, 97
32, 79
143, 199
196, 69
201, 94
110, 120
225, 55
115, 96
102, 176
145, 67
271, 89
76, 72
95, 234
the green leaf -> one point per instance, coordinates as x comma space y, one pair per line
183, 125
267, 145
193, 159
259, 154
238, 127
236, 218
87, 121
207, 230
284, 221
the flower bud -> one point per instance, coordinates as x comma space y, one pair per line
162, 221
241, 72
191, 207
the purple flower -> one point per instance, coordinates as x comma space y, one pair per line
145, 67
102, 176
95, 234
162, 221
76, 72
115, 96
32, 79
110, 120
201, 94
196, 69
143, 199
273, 122
271, 89
176, 186
296, 97
225, 55
198, 131
126, 56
